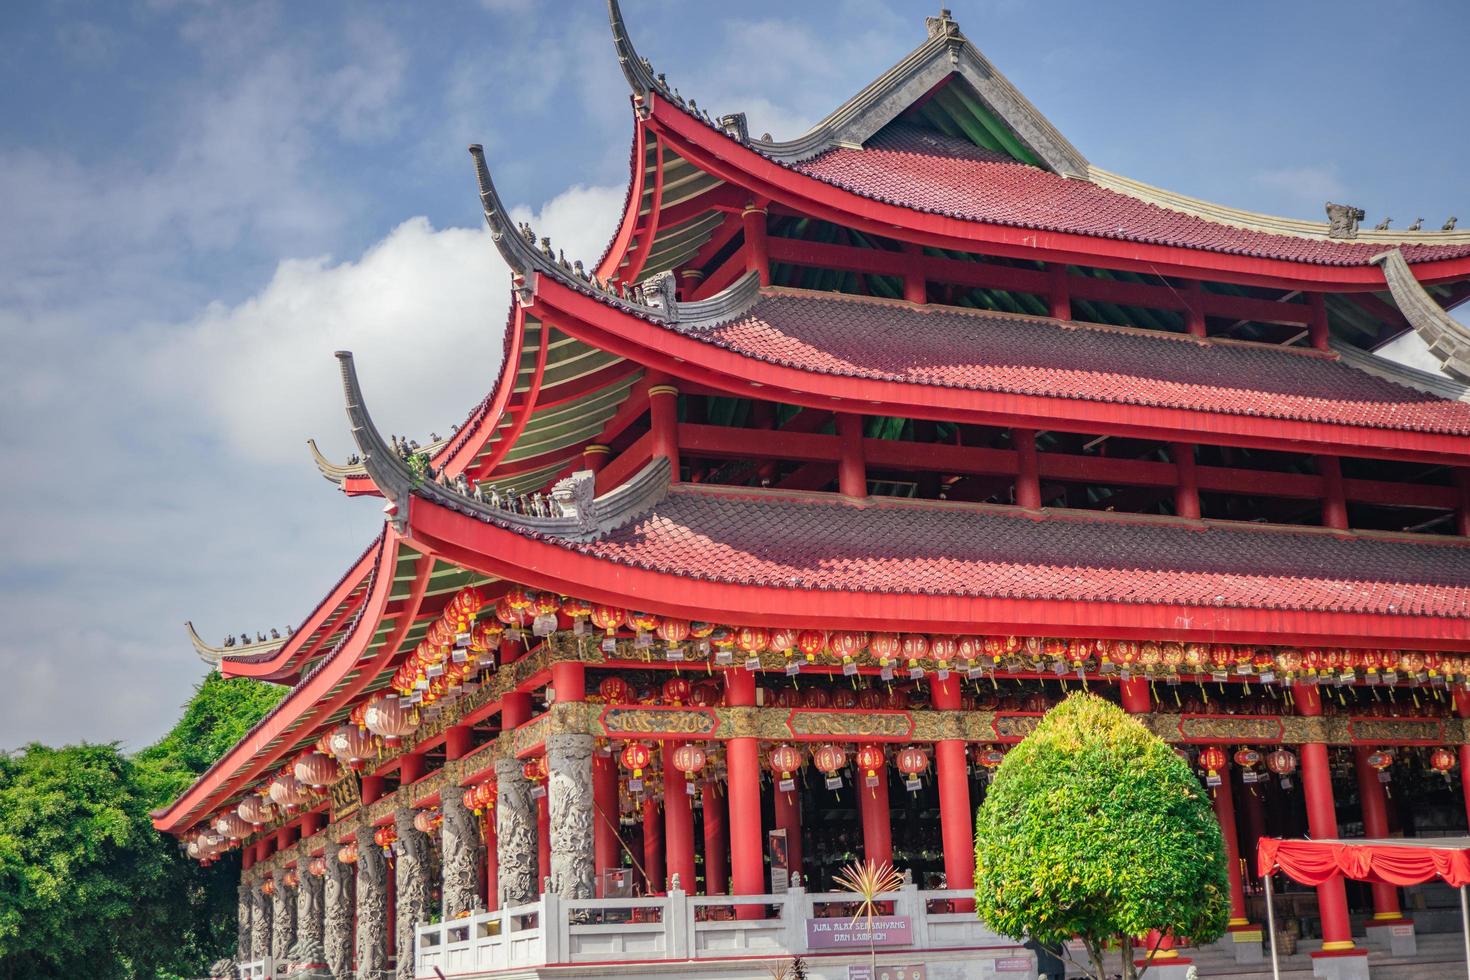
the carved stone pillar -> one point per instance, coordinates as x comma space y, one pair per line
339, 899
461, 856
242, 922
372, 907
283, 922
411, 869
260, 925
569, 793
515, 834
309, 910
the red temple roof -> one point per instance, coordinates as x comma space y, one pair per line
985, 351
929, 171
823, 542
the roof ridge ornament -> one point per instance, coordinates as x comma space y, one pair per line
1447, 338
571, 510
1342, 220
232, 647
943, 26
639, 72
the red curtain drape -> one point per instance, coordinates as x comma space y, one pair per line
1313, 862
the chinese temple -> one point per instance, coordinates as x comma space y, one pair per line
783, 519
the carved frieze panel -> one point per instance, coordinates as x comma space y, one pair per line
1397, 731
345, 795
874, 725
620, 721
1215, 728
1013, 726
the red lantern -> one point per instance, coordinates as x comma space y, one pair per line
317, 867
427, 821
1282, 762
643, 622
785, 759
914, 646
1247, 758
816, 697
608, 618
636, 756
1442, 760
912, 760
316, 770
844, 698
829, 758
479, 797
385, 837
676, 690
1380, 759
289, 792
783, 640
576, 608
255, 810
752, 640
943, 649
885, 647
291, 879
673, 630
1212, 759
811, 643
535, 769
347, 853
353, 746
268, 887
614, 690
689, 758
388, 716
870, 759
870, 699
706, 694
848, 645
989, 757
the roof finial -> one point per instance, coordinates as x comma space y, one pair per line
636, 70
380, 460
942, 26
1342, 220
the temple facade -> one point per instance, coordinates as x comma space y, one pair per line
788, 515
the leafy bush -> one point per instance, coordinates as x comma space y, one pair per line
1093, 828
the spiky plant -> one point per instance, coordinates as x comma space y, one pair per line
866, 881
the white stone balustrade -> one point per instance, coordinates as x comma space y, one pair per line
690, 928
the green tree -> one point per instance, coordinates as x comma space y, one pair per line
87, 887
1095, 829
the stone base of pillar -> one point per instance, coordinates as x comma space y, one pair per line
1349, 964
1394, 935
1173, 968
1243, 942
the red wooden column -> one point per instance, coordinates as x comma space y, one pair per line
1317, 326
1225, 814
663, 418
1375, 824
876, 817
1186, 485
410, 768
653, 847
1135, 696
1337, 933
742, 760
956, 818
458, 741
1060, 298
1462, 512
1462, 708
786, 807
1334, 497
757, 257
915, 288
852, 472
716, 839
1194, 312
372, 789
604, 816
678, 823
1028, 476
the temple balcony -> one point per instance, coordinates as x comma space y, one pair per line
690, 935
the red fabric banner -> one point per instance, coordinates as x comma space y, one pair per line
1314, 862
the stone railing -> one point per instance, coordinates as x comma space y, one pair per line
687, 928
264, 969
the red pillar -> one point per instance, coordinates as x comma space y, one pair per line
1462, 708
956, 818
372, 789
653, 847
410, 768
1028, 473
877, 825
1186, 485
1061, 294
1135, 696
1194, 312
915, 289
852, 473
1375, 824
605, 817
742, 760
569, 681
1337, 934
1225, 814
1334, 498
1317, 326
663, 418
515, 711
678, 823
458, 741
757, 258
787, 810
716, 839
543, 841
1462, 512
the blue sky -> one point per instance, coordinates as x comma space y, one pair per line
200, 201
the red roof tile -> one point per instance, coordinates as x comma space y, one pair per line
928, 171
813, 541
856, 337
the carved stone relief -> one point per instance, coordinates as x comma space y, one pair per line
339, 899
283, 922
461, 856
372, 906
515, 833
411, 870
242, 920
260, 925
569, 763
309, 910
